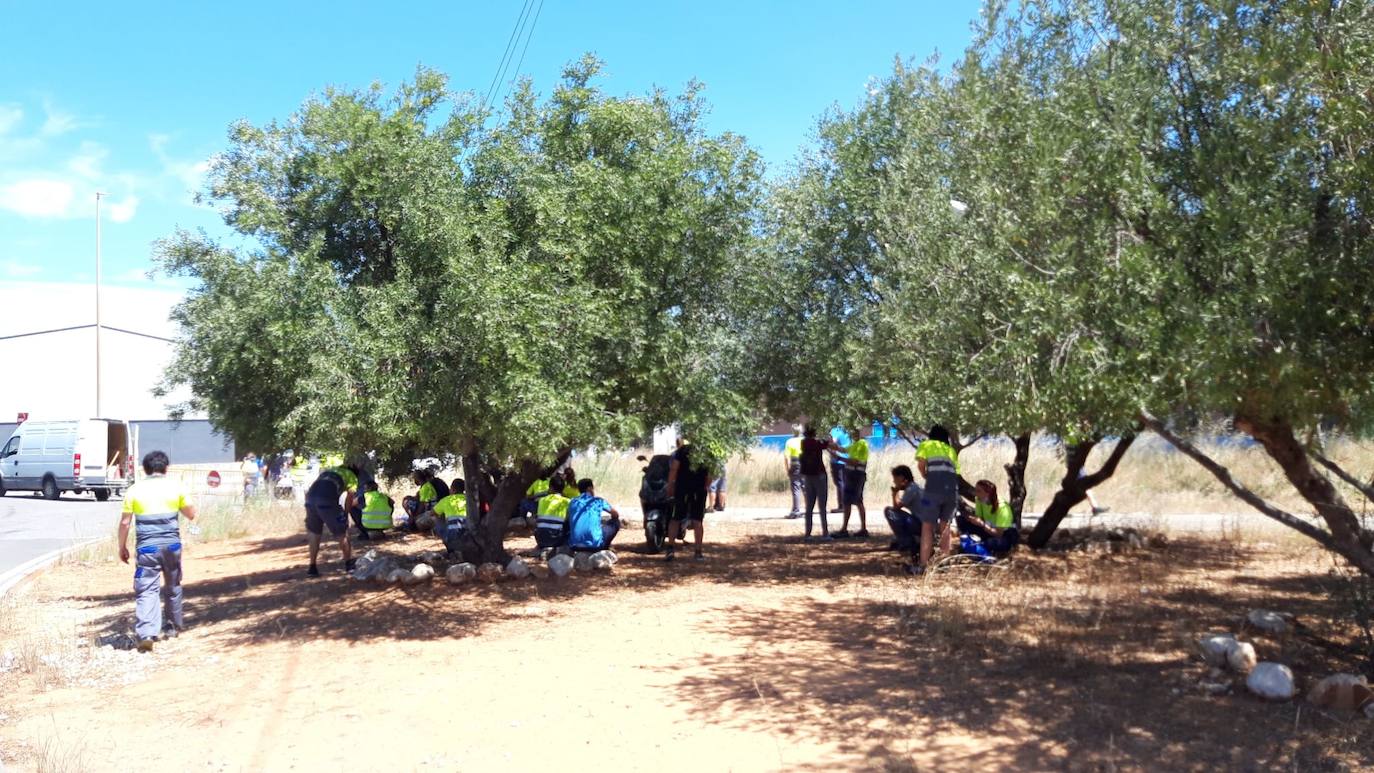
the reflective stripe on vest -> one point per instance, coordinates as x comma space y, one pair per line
156, 529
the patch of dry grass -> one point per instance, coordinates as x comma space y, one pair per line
1150, 479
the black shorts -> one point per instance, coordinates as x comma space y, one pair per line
321, 514
854, 481
690, 506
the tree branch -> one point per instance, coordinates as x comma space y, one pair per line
1339, 472
1108, 468
1224, 477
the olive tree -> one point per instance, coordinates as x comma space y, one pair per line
413, 275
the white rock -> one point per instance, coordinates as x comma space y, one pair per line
561, 565
1241, 658
424, 522
1269, 622
397, 576
609, 555
603, 560
1216, 647
517, 568
489, 572
422, 572
370, 555
460, 573
582, 562
1273, 681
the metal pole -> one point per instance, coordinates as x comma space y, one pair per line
98, 271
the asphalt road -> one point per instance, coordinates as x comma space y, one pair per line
31, 526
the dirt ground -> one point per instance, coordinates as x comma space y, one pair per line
771, 655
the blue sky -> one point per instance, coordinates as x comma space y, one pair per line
133, 100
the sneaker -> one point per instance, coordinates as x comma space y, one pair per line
827, 538
837, 510
841, 534
860, 534
698, 557
170, 632
718, 509
916, 570
668, 554
145, 645
362, 535
312, 572
1101, 510
350, 564
793, 516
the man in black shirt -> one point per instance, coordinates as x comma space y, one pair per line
688, 479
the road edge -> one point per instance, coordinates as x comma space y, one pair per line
10, 579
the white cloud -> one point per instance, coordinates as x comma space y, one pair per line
191, 174
122, 211
87, 160
16, 270
57, 122
38, 197
10, 116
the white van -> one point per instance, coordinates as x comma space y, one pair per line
76, 455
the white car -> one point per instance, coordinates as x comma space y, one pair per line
76, 455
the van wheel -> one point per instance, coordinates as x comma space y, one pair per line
50, 490
102, 494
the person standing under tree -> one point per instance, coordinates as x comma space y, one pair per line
322, 509
152, 506
939, 465
688, 478
813, 474
791, 462
839, 445
856, 477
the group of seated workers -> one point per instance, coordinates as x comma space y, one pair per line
919, 515
564, 522
432, 491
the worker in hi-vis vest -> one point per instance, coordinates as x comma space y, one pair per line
551, 517
377, 509
939, 465
791, 459
152, 507
454, 510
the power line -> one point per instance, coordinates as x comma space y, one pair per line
528, 38
85, 327
505, 55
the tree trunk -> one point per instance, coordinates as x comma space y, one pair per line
1277, 438
1074, 488
490, 527
1016, 477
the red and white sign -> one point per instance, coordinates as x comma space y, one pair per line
212, 480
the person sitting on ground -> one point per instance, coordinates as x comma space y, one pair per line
322, 509
377, 510
939, 465
569, 483
453, 509
585, 529
365, 480
901, 516
991, 522
856, 477
537, 490
423, 499
551, 517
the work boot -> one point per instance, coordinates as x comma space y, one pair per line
363, 535
145, 645
841, 534
313, 571
668, 554
350, 564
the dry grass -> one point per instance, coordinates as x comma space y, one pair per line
1151, 478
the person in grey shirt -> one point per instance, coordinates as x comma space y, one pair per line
901, 516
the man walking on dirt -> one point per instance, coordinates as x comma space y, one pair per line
152, 506
322, 509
